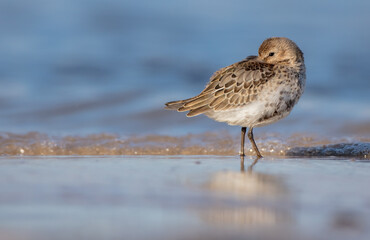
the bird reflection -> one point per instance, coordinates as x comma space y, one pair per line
246, 198
250, 168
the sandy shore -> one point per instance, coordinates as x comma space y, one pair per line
184, 197
207, 143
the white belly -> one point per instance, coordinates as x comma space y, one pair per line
267, 104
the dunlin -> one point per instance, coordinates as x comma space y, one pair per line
254, 92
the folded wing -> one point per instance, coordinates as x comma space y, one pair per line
229, 88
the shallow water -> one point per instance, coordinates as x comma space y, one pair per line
92, 78
79, 67
183, 197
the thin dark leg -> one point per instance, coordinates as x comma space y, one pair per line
244, 129
254, 146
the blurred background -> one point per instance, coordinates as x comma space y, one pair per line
91, 77
88, 66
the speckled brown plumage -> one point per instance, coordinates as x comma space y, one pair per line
256, 91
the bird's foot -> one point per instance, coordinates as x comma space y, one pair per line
259, 156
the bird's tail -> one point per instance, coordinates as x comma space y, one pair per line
195, 105
174, 105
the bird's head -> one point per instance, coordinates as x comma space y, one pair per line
279, 50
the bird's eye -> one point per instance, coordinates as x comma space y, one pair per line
271, 54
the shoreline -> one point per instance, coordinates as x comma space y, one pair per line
209, 143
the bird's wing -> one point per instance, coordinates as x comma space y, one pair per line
229, 88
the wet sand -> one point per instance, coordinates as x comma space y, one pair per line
183, 197
207, 143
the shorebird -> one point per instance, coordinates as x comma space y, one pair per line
254, 92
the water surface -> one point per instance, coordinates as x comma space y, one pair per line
183, 197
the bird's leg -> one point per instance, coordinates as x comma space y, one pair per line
254, 146
241, 153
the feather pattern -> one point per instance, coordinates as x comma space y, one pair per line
229, 87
